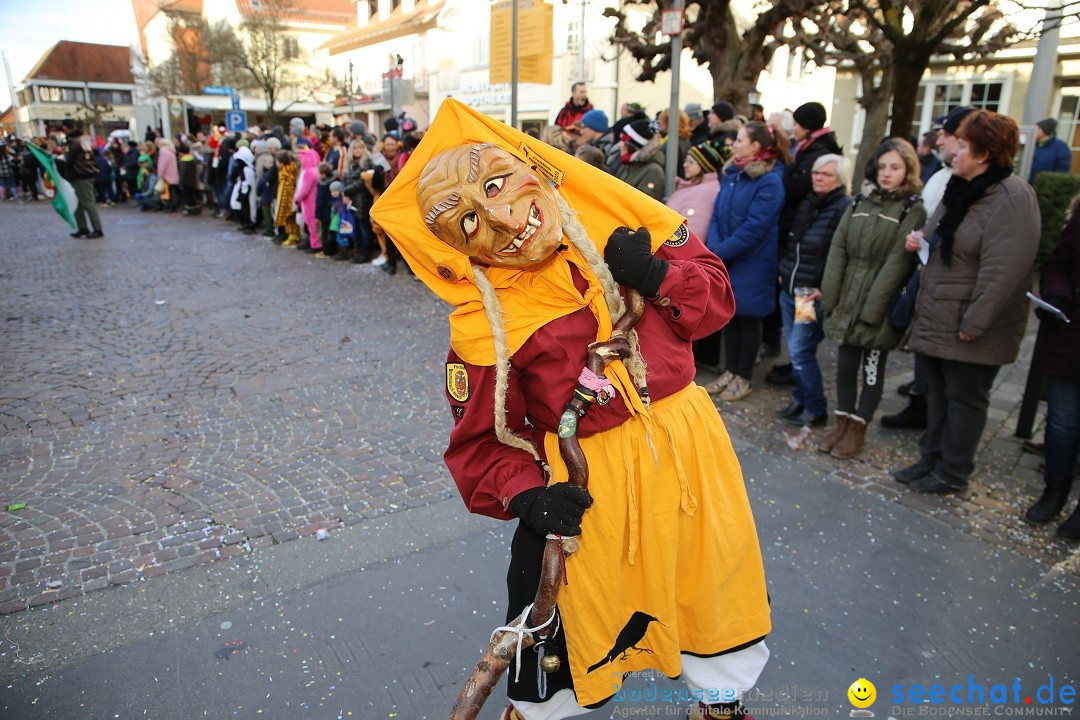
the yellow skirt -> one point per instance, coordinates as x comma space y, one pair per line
670, 537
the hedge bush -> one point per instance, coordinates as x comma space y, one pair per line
1055, 192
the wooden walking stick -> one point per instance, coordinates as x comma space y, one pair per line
508, 642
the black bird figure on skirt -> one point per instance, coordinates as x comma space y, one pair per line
631, 634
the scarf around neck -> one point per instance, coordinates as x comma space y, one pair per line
960, 195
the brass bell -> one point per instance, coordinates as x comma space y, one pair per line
550, 663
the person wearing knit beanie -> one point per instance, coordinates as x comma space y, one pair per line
336, 186
242, 142
637, 134
642, 159
358, 129
1052, 154
595, 120
810, 116
1047, 125
707, 156
695, 192
722, 112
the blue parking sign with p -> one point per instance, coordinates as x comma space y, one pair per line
236, 120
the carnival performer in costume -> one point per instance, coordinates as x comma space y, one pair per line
533, 249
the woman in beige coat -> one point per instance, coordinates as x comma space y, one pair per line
971, 311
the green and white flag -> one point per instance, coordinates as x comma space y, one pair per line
57, 189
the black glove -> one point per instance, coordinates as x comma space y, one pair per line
555, 509
629, 255
1060, 302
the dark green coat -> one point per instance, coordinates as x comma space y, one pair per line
867, 264
645, 171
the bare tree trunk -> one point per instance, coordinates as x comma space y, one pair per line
875, 101
909, 66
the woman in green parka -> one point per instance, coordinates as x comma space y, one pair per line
866, 267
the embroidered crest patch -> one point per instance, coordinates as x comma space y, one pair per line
457, 381
459, 411
679, 238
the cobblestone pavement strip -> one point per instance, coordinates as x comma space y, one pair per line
177, 393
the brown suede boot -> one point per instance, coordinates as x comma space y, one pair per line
853, 440
833, 436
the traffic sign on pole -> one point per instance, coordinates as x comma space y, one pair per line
236, 120
235, 102
218, 90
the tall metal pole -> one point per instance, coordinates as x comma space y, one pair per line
581, 46
513, 64
1037, 102
672, 164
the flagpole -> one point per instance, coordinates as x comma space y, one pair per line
11, 91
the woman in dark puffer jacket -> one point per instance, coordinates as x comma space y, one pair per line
801, 270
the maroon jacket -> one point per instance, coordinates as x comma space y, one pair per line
1057, 348
695, 300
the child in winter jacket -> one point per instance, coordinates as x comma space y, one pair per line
189, 180
285, 220
305, 196
322, 209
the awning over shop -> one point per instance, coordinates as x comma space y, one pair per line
222, 103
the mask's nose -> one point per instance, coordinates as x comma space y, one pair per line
501, 217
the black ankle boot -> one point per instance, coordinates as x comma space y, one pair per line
913, 417
1047, 507
1070, 529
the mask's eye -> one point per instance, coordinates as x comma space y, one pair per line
469, 225
493, 186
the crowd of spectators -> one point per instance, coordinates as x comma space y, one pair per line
309, 187
940, 271
942, 222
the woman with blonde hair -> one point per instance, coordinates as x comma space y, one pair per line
866, 266
363, 182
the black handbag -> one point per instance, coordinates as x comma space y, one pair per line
902, 308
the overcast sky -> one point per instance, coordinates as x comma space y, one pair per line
28, 28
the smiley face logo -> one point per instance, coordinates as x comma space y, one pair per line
862, 693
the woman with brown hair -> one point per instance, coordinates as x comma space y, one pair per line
742, 233
971, 312
866, 266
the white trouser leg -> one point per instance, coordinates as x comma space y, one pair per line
562, 704
725, 678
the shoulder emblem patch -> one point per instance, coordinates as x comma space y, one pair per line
679, 238
457, 381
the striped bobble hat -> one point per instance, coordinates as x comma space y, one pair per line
707, 157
